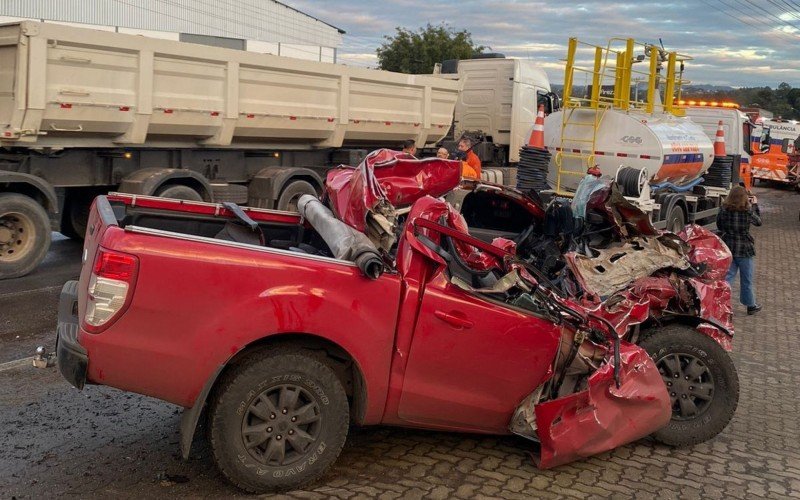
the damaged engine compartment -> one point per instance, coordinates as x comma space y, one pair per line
602, 251
594, 266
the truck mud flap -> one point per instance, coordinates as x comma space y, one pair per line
603, 417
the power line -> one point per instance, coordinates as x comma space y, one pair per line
769, 14
749, 16
783, 9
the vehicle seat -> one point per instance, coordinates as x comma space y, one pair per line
233, 231
243, 229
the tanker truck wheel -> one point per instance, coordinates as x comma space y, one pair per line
24, 235
676, 219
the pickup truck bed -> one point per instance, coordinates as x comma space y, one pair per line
199, 300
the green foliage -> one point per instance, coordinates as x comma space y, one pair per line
783, 101
416, 52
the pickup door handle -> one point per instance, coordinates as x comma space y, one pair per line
455, 319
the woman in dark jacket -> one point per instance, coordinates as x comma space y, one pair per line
734, 221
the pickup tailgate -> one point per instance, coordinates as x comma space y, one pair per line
72, 357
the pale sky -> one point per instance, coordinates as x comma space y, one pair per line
733, 42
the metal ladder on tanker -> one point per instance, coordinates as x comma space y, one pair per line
580, 112
583, 149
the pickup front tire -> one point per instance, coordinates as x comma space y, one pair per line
278, 420
701, 380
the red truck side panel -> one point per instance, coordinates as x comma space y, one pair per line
472, 361
196, 304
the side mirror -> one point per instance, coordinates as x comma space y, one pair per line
555, 102
550, 101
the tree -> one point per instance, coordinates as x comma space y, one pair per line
416, 52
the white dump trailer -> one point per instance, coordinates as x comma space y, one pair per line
83, 112
66, 87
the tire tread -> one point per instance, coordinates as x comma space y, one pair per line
679, 333
238, 375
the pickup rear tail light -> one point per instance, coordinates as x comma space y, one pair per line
110, 287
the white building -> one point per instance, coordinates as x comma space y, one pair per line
266, 26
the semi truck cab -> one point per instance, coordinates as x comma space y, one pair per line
498, 101
738, 131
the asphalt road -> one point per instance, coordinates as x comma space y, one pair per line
28, 304
101, 442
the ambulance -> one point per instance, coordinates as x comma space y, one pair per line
775, 145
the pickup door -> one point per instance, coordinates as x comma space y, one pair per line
472, 360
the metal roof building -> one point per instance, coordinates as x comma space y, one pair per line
256, 25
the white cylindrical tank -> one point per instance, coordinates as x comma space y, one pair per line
669, 148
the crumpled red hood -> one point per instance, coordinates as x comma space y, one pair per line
602, 415
665, 290
665, 287
387, 176
711, 289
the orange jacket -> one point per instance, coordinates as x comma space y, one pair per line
471, 168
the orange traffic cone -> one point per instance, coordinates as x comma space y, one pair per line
719, 141
537, 134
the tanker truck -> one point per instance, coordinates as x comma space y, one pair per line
662, 160
84, 112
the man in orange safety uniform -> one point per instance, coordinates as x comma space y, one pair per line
471, 165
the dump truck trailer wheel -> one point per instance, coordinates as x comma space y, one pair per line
701, 380
292, 193
24, 235
179, 192
76, 214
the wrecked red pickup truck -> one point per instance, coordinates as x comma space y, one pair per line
381, 308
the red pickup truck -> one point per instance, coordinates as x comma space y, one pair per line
280, 336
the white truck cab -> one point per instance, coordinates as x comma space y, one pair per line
498, 100
738, 131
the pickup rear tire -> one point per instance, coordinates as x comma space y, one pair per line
701, 380
24, 235
278, 420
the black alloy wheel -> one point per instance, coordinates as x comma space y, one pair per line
690, 384
281, 424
